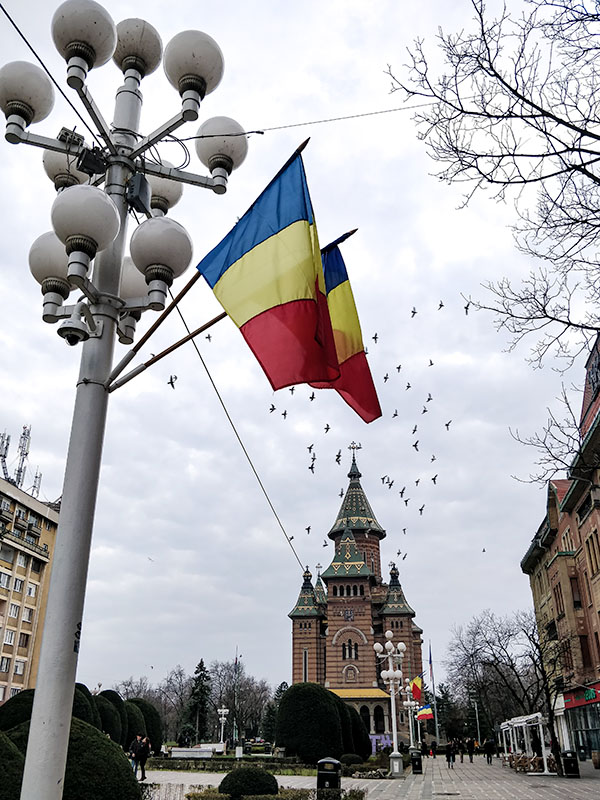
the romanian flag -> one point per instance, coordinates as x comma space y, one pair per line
416, 687
425, 712
355, 384
267, 274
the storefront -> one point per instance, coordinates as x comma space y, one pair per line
582, 709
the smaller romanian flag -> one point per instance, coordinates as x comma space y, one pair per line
425, 712
416, 687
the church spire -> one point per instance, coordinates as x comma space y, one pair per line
355, 512
306, 605
395, 602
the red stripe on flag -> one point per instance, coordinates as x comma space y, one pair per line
355, 385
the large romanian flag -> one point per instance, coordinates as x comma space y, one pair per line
425, 712
416, 687
267, 274
355, 383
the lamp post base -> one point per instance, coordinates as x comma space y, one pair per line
396, 766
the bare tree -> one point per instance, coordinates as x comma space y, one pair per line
245, 696
135, 687
516, 108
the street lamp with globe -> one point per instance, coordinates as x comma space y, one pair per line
392, 677
411, 706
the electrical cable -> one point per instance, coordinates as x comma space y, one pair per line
49, 74
239, 438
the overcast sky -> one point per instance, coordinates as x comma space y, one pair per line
188, 561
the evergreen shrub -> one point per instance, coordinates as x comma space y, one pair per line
346, 723
96, 721
110, 720
308, 723
248, 781
18, 709
118, 702
362, 741
152, 720
135, 722
350, 758
11, 769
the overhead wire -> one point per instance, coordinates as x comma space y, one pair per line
239, 438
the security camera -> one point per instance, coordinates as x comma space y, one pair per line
74, 331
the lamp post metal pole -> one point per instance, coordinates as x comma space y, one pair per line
46, 756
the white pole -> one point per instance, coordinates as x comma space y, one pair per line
45, 761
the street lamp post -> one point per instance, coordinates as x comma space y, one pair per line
411, 706
222, 712
85, 252
392, 677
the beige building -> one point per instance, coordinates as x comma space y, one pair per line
336, 622
563, 565
27, 535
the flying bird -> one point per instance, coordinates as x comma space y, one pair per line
341, 492
386, 378
399, 367
447, 424
325, 542
310, 447
395, 414
383, 479
312, 397
406, 501
311, 467
467, 307
208, 336
429, 397
432, 459
399, 553
327, 428
421, 509
291, 539
441, 305
425, 409
483, 551
375, 337
434, 479
172, 380
313, 457
417, 481
272, 408
414, 430
416, 445
284, 414
407, 386
402, 490
404, 531
390, 484
292, 389
404, 556
307, 529
413, 312
430, 363
338, 457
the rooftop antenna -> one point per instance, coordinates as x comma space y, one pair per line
4, 443
24, 443
37, 482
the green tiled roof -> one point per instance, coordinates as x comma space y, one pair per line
355, 512
395, 602
347, 562
320, 592
307, 605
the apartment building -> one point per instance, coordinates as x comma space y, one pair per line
27, 536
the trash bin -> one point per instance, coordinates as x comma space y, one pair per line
570, 764
416, 762
329, 774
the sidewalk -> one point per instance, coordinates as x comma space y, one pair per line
476, 781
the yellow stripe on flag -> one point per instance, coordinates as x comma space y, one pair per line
344, 321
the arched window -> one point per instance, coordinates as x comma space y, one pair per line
348, 591
349, 648
366, 717
344, 652
335, 591
355, 590
356, 651
378, 719
361, 590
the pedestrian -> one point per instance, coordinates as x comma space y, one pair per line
424, 749
461, 750
143, 754
134, 753
470, 748
489, 747
450, 754
433, 748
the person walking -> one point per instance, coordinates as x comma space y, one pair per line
461, 749
489, 747
143, 754
450, 754
134, 753
424, 749
470, 748
433, 748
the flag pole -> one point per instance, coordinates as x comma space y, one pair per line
435, 714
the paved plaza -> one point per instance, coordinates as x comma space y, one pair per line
476, 781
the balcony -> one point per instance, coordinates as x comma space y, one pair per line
20, 521
6, 514
23, 540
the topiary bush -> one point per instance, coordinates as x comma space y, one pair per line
153, 722
18, 709
118, 702
110, 721
360, 735
247, 781
11, 769
96, 767
135, 722
95, 716
308, 723
346, 723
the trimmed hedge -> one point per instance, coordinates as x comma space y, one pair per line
18, 709
362, 741
96, 767
11, 769
346, 723
308, 723
110, 720
153, 722
248, 781
95, 720
117, 701
135, 722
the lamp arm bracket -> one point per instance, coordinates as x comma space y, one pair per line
94, 112
50, 144
178, 175
158, 134
135, 304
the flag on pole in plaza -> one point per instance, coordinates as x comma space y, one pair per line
416, 687
425, 712
355, 383
267, 274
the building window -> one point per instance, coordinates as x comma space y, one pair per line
355, 591
5, 504
48, 525
6, 553
593, 552
558, 599
31, 589
361, 590
1, 693
597, 641
18, 586
14, 691
585, 508
5, 580
21, 560
335, 591
567, 657
19, 667
9, 637
13, 610
4, 664
586, 658
575, 593
36, 565
27, 614
24, 640
588, 588
305, 666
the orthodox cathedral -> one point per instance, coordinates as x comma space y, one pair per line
336, 621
